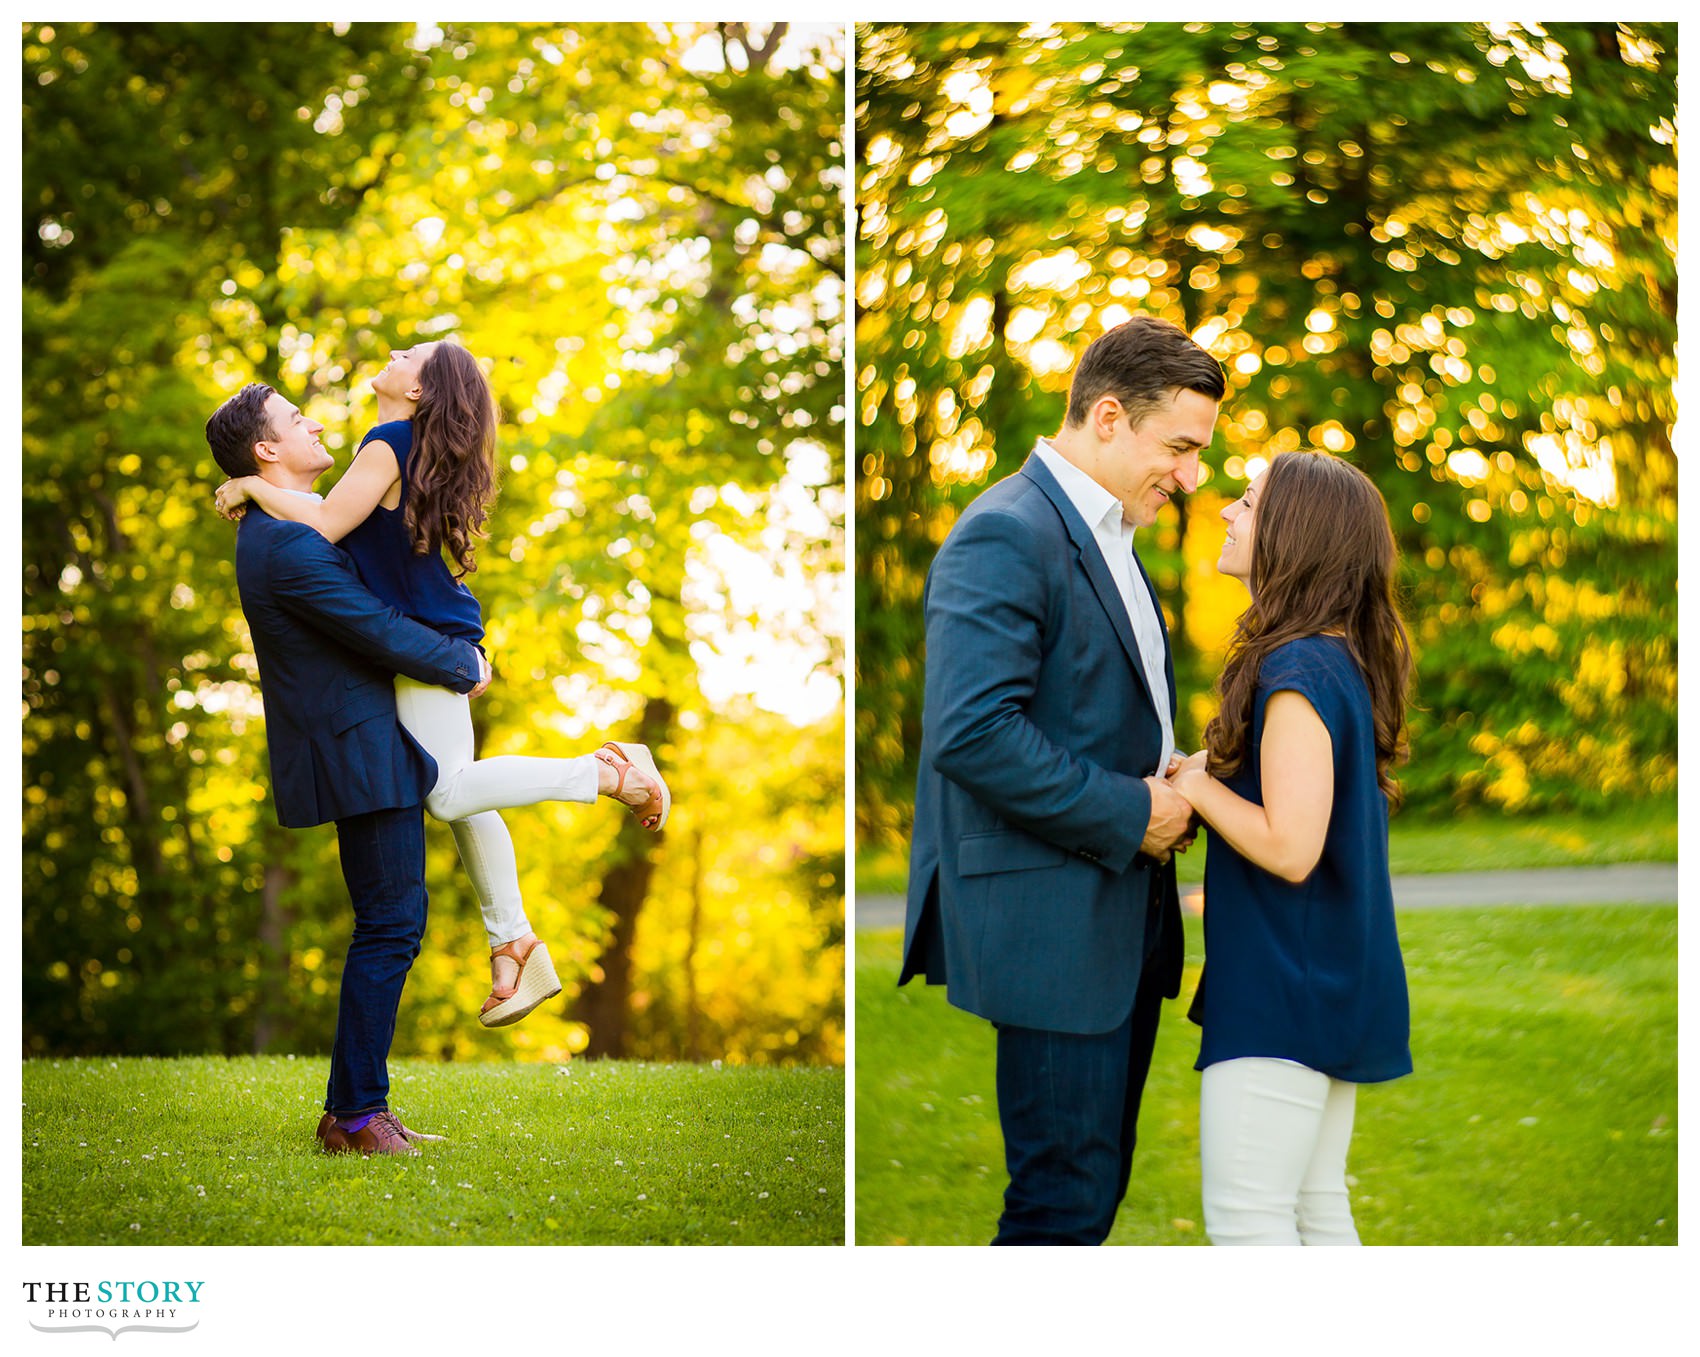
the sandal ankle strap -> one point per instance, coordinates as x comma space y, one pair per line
619, 763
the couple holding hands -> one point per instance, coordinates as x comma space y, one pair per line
1051, 799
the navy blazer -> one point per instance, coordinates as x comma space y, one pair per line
328, 650
1028, 896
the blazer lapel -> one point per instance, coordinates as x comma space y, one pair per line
1098, 573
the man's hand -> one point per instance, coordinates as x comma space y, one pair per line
485, 675
1186, 840
1171, 820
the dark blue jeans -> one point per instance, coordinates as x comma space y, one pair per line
1069, 1106
383, 863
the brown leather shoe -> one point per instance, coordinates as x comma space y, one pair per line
331, 1137
382, 1135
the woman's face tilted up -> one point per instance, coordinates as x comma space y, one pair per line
400, 376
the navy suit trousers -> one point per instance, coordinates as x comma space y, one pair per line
383, 863
1069, 1106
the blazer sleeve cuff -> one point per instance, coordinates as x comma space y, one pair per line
1116, 844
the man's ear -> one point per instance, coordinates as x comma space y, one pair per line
263, 452
1105, 411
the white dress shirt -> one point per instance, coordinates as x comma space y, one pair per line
1114, 536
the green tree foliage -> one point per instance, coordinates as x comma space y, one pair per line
638, 229
1443, 251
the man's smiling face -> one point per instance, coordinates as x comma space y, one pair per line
1145, 464
294, 447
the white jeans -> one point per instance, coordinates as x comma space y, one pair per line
1272, 1139
470, 791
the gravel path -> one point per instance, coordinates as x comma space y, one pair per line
1622, 883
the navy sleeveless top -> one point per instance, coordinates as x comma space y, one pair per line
1313, 972
420, 586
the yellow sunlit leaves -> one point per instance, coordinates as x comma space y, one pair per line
1447, 306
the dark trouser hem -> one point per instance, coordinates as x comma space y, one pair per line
360, 1112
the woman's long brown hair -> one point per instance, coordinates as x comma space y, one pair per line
454, 456
1322, 560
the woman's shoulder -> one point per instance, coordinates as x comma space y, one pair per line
1309, 660
398, 433
1316, 647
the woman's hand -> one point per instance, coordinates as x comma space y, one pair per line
231, 498
1190, 772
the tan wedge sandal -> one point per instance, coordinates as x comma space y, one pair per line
623, 758
535, 982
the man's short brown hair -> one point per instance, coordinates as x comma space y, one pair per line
1137, 362
236, 426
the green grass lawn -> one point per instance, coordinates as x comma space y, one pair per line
212, 1151
1543, 1108
1635, 832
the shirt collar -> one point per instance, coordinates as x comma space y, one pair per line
1096, 504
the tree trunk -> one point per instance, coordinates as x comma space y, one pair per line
270, 1005
693, 1050
605, 1005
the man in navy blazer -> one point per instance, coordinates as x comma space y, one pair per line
1041, 881
328, 650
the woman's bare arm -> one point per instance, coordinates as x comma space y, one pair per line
1285, 834
350, 501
